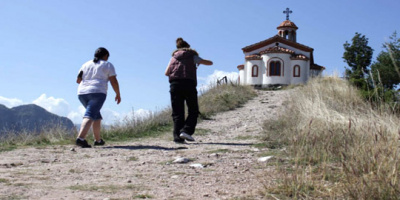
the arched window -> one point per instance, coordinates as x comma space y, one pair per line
296, 71
286, 34
254, 71
275, 68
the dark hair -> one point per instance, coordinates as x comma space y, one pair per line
100, 53
180, 43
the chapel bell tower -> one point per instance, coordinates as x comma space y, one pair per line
287, 29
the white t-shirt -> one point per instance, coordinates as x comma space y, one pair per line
95, 77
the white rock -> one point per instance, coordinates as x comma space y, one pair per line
197, 165
175, 176
181, 160
265, 159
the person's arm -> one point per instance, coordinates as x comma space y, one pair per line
167, 69
79, 78
115, 86
206, 62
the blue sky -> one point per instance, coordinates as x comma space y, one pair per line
43, 43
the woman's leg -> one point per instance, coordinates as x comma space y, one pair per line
92, 103
178, 111
96, 129
193, 111
85, 127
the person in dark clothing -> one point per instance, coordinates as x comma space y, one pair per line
182, 73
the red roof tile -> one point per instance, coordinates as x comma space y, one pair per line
275, 39
287, 23
317, 67
253, 57
277, 49
299, 57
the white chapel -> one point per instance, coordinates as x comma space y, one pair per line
279, 60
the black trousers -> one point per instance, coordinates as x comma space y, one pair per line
181, 92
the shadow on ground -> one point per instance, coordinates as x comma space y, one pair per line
182, 146
228, 144
141, 147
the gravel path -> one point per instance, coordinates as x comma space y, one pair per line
222, 163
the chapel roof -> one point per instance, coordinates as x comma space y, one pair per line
253, 57
277, 49
299, 57
317, 67
287, 24
275, 39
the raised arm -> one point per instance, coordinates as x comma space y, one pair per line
206, 62
115, 86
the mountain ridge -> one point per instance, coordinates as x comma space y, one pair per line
31, 118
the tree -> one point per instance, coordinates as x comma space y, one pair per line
358, 57
385, 70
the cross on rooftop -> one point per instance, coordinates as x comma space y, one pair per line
287, 12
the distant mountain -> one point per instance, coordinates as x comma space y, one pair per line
32, 119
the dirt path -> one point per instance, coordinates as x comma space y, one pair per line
144, 168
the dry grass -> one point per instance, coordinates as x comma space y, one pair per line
223, 98
216, 99
55, 135
337, 145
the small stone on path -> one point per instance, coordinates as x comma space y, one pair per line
181, 160
197, 165
265, 159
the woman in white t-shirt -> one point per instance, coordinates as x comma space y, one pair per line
92, 92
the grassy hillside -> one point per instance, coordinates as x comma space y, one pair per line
217, 99
332, 144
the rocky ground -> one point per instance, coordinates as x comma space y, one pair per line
225, 162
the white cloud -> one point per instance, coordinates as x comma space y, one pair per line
61, 107
76, 116
10, 102
110, 116
212, 79
57, 106
137, 115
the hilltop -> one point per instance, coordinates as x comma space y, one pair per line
222, 163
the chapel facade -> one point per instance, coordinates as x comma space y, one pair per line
279, 60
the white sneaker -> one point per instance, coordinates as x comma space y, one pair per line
186, 136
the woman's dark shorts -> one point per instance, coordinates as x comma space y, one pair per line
93, 103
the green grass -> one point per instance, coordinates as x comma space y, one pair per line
247, 137
220, 151
202, 132
132, 159
111, 189
12, 197
3, 180
143, 196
